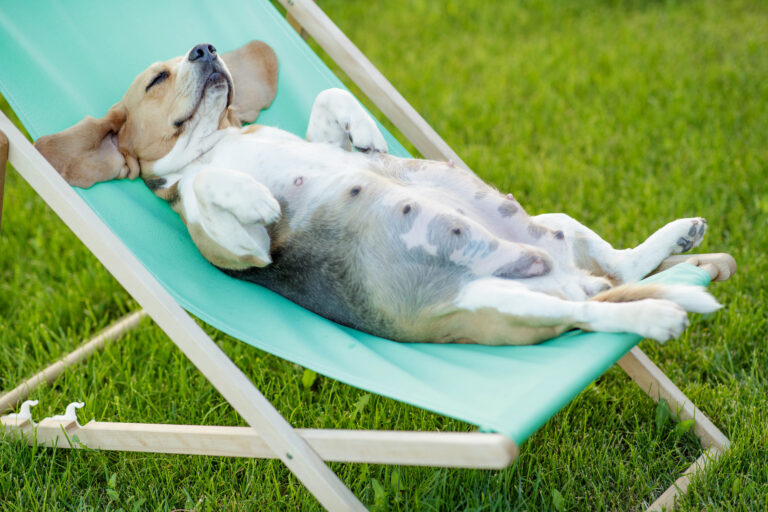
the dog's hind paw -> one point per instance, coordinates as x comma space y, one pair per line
660, 320
688, 233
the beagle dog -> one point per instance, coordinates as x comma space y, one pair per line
411, 250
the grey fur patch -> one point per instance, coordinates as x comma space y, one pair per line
405, 216
536, 231
528, 265
479, 248
447, 233
347, 285
508, 208
481, 193
154, 183
692, 231
685, 243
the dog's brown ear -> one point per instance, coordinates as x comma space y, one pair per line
87, 152
253, 67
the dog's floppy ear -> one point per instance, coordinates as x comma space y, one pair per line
88, 152
253, 67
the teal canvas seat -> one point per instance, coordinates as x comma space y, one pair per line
68, 62
51, 86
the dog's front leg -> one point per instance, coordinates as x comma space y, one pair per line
226, 212
337, 118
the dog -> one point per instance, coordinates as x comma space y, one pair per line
411, 250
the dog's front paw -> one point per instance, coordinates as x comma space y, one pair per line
364, 135
237, 193
256, 205
687, 233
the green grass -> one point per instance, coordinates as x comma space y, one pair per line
623, 114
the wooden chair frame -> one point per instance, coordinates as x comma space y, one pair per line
303, 451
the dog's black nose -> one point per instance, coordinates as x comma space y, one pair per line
203, 53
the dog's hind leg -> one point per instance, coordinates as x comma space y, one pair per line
625, 265
496, 311
337, 118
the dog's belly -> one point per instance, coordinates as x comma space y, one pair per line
369, 242
305, 175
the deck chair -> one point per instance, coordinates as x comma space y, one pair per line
51, 86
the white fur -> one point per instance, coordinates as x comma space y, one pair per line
691, 298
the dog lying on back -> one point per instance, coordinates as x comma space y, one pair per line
411, 250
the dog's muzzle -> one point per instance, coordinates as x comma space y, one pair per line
210, 67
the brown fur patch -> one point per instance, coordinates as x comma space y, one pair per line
630, 293
485, 327
87, 152
170, 194
218, 255
253, 128
254, 73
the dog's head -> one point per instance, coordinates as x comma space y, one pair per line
188, 98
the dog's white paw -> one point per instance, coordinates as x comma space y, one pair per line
660, 320
256, 205
686, 234
239, 194
363, 134
338, 118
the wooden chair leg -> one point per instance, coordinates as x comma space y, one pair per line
657, 386
3, 161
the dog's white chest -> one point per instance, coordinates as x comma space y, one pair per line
300, 175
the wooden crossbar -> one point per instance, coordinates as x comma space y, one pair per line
438, 449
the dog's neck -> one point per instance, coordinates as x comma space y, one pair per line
188, 148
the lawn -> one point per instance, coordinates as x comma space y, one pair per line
623, 114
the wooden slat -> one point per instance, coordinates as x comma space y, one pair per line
213, 363
114, 331
351, 60
721, 266
296, 25
668, 500
657, 385
441, 449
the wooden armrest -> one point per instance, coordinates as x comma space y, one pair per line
720, 266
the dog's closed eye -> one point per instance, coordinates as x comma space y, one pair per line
158, 78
